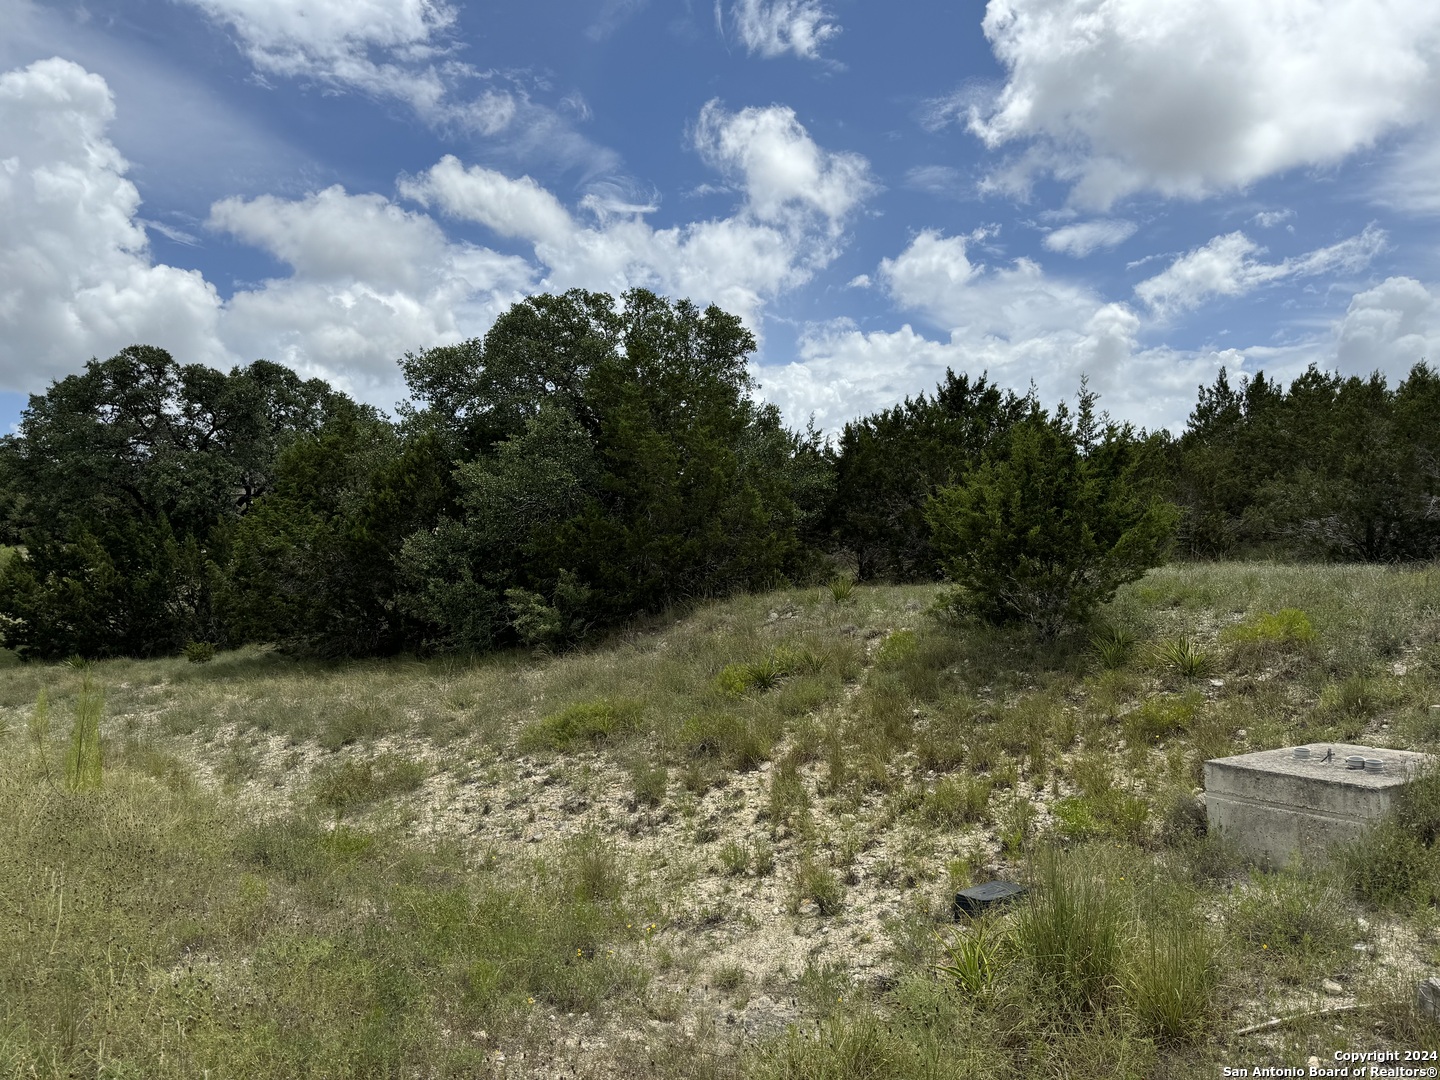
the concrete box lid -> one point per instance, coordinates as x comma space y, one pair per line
1279, 778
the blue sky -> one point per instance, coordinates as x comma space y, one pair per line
1138, 191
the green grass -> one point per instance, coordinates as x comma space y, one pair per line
352, 785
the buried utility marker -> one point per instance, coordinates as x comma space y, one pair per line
980, 898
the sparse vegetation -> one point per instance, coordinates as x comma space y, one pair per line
375, 861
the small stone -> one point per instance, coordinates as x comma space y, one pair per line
1312, 1062
1333, 988
1362, 924
1241, 733
808, 907
1217, 682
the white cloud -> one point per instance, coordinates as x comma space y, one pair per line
370, 282
1227, 266
1268, 219
76, 279
797, 198
368, 279
782, 170
1012, 321
936, 276
1188, 99
387, 48
1084, 237
771, 28
1390, 328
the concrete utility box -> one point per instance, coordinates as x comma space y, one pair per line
1279, 803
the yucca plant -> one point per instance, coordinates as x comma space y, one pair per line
842, 588
974, 958
1184, 656
1112, 645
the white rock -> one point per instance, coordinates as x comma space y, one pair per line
1333, 988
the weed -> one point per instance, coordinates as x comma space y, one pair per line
973, 957
956, 802
1397, 864
817, 884
738, 742
788, 801
39, 728
649, 782
842, 589
1285, 625
735, 858
1017, 825
728, 978
764, 858
587, 723
896, 649
1182, 656
351, 785
1292, 922
354, 723
84, 763
1161, 717
1354, 701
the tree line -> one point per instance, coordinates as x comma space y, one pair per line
590, 460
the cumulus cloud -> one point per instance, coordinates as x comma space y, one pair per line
781, 169
1084, 237
1025, 327
1390, 328
369, 279
1188, 99
76, 277
771, 28
796, 199
1227, 266
1013, 321
369, 282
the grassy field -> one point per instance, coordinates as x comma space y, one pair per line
723, 843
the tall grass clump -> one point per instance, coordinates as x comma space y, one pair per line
842, 588
1172, 974
1071, 929
84, 764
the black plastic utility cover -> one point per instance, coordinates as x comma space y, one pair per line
978, 898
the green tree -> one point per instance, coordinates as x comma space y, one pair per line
123, 483
1054, 520
888, 464
611, 461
